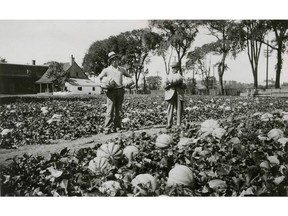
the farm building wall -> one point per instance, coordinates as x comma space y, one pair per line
20, 79
83, 89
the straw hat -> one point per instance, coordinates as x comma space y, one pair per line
112, 55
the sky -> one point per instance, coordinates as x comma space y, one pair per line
45, 40
58, 32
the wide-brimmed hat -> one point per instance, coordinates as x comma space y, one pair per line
174, 64
112, 55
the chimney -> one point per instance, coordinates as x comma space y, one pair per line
72, 59
33, 62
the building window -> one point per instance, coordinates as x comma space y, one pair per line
76, 74
79, 88
93, 88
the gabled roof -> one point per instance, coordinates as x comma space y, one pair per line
45, 79
71, 71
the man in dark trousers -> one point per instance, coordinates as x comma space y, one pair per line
174, 95
115, 95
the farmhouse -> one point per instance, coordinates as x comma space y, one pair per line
77, 82
19, 78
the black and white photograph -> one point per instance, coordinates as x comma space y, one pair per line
148, 107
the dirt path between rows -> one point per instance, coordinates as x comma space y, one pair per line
45, 150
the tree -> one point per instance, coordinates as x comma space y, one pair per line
95, 60
191, 85
136, 53
57, 74
197, 61
165, 51
179, 34
3, 60
154, 82
228, 41
279, 43
253, 33
133, 47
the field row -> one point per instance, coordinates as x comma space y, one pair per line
39, 121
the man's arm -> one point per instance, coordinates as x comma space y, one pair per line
124, 71
102, 74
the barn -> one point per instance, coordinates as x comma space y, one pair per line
19, 78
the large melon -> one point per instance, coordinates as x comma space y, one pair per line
109, 150
146, 180
99, 164
180, 174
163, 141
130, 152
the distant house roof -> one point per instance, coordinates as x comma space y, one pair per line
81, 82
72, 71
45, 79
20, 70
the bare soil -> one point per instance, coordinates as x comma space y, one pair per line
6, 155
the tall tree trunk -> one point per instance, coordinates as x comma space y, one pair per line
253, 55
221, 69
144, 87
278, 66
255, 76
136, 83
221, 84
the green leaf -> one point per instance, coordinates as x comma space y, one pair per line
205, 189
64, 151
55, 173
278, 180
265, 165
64, 184
248, 191
273, 160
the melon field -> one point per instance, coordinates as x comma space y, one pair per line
226, 146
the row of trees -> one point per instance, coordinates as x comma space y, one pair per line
163, 37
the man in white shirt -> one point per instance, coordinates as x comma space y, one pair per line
115, 96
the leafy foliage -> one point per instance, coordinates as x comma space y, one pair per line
57, 74
245, 161
178, 34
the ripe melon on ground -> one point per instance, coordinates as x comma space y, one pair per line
130, 152
99, 164
109, 150
163, 141
146, 180
180, 174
